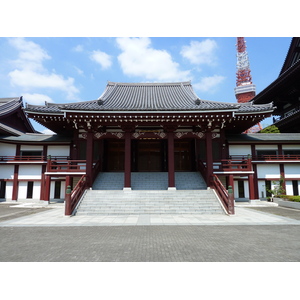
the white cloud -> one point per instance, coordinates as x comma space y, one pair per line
79, 71
36, 99
31, 55
139, 58
30, 73
78, 48
200, 52
209, 83
102, 58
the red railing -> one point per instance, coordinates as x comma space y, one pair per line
73, 197
66, 166
22, 158
225, 196
30, 158
286, 157
232, 165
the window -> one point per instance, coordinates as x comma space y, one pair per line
57, 188
2, 189
29, 189
291, 152
266, 152
241, 189
31, 153
295, 188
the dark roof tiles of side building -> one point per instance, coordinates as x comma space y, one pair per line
178, 96
264, 137
36, 138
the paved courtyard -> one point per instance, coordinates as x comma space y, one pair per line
252, 235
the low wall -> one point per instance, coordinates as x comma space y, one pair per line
289, 204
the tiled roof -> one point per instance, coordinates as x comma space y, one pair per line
178, 96
8, 105
264, 137
37, 138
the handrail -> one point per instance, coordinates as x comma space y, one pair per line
66, 166
202, 169
225, 196
73, 197
232, 165
30, 158
277, 157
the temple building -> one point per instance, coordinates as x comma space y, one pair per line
162, 129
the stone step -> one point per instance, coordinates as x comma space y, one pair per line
149, 195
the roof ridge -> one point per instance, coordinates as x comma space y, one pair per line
149, 83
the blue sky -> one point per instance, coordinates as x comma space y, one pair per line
75, 69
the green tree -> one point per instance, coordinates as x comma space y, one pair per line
270, 129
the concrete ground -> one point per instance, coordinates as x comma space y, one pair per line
257, 234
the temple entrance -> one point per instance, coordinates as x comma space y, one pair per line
149, 155
114, 155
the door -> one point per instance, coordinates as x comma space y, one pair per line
183, 155
114, 155
149, 155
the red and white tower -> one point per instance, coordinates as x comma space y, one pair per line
244, 90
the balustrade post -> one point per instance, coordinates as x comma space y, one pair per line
68, 211
230, 200
48, 163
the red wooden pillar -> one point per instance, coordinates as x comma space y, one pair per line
68, 183
251, 187
209, 157
89, 158
16, 176
171, 161
47, 188
43, 178
127, 163
231, 182
281, 168
15, 183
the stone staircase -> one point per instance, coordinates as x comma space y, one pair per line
99, 202
149, 195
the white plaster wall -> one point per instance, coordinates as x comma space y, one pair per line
292, 171
289, 187
8, 191
236, 189
36, 190
268, 171
30, 171
261, 189
58, 150
7, 149
6, 171
266, 147
291, 147
31, 148
239, 149
22, 192
63, 190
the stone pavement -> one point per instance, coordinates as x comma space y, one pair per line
277, 243
249, 236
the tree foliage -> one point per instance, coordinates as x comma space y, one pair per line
270, 129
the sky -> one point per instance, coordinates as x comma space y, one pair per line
73, 69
